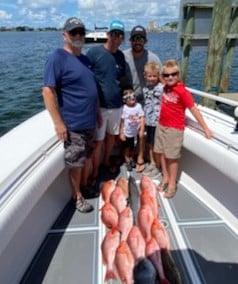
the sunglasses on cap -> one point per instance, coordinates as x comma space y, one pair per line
117, 33
74, 32
129, 97
138, 38
167, 75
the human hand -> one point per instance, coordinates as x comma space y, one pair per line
122, 136
61, 131
208, 133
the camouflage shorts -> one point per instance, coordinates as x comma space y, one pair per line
78, 147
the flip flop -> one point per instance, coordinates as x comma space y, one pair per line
140, 164
162, 186
170, 192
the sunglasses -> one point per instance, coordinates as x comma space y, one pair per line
74, 32
138, 38
167, 75
129, 97
117, 33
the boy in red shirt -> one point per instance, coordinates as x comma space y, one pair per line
170, 130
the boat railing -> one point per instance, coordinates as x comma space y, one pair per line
228, 141
214, 97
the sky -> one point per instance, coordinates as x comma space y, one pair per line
53, 13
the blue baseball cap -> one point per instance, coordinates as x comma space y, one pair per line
116, 25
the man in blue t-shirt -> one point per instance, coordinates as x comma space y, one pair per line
71, 97
108, 64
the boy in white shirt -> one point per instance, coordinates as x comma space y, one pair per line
132, 125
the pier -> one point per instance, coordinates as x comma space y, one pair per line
213, 24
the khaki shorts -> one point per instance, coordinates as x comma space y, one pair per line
78, 147
110, 123
168, 141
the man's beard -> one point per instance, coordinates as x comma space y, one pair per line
75, 44
137, 48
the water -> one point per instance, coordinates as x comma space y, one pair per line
22, 59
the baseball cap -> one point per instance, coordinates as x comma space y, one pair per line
73, 23
138, 30
116, 25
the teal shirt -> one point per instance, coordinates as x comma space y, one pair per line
108, 68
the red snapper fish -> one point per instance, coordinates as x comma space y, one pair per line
125, 223
124, 262
152, 251
109, 215
145, 220
159, 232
107, 188
147, 184
146, 198
118, 199
136, 243
124, 185
108, 247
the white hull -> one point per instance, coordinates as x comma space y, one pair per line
34, 185
96, 37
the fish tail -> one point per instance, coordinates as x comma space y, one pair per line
110, 274
164, 281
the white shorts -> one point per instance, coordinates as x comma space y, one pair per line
110, 123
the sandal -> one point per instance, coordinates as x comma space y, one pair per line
140, 164
162, 186
169, 192
128, 167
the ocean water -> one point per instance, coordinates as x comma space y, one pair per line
22, 59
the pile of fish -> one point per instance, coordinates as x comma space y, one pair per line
136, 246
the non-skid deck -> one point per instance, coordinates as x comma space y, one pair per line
204, 248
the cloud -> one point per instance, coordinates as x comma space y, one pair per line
4, 15
39, 4
40, 13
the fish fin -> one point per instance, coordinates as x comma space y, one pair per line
110, 274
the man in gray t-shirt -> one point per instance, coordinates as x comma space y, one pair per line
136, 58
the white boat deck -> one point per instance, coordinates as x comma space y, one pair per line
203, 245
202, 219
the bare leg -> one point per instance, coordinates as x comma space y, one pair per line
75, 178
109, 143
173, 171
86, 171
152, 157
140, 157
164, 166
160, 159
127, 155
96, 159
157, 157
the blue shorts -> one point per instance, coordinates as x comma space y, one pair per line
78, 147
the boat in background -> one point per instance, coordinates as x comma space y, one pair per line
44, 240
98, 35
